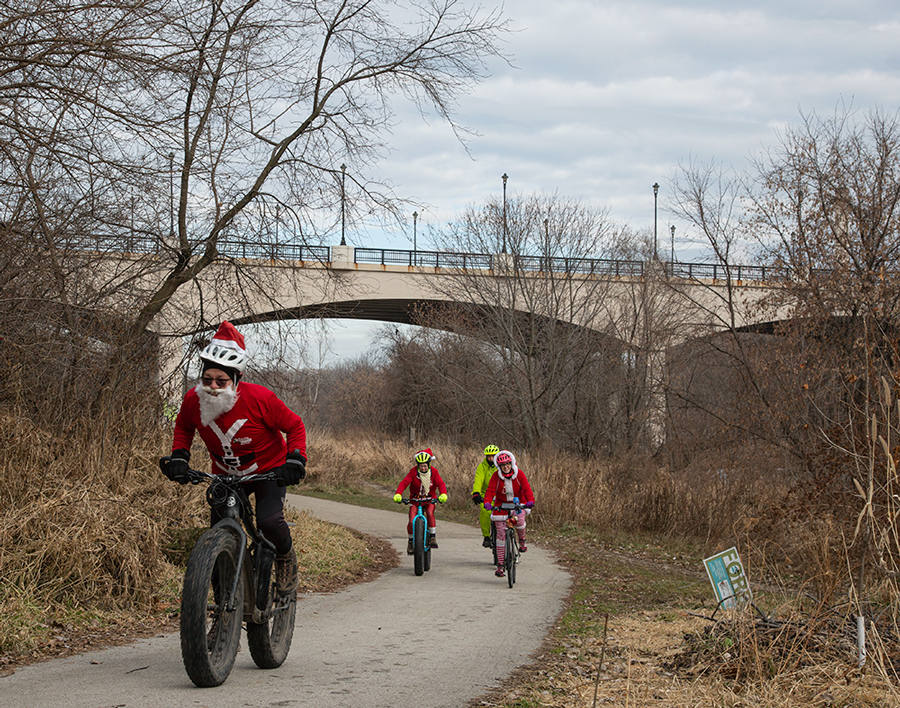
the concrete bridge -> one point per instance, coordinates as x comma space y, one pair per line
263, 282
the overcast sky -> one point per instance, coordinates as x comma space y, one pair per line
605, 98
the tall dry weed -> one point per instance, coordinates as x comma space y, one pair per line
75, 536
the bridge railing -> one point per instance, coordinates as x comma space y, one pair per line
275, 251
227, 247
447, 259
430, 259
717, 271
584, 266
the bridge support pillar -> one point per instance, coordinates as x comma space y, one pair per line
173, 373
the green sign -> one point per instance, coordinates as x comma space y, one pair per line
726, 573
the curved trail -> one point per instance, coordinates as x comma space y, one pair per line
400, 640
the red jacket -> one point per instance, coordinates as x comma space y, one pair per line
412, 481
248, 438
496, 492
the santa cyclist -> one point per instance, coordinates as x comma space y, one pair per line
244, 426
507, 484
424, 481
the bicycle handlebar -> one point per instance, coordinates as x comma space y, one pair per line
424, 500
509, 506
197, 476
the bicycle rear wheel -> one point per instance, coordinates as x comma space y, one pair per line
419, 545
510, 560
270, 640
494, 541
210, 634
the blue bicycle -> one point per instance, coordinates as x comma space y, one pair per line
421, 549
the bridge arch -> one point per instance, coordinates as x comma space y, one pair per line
395, 286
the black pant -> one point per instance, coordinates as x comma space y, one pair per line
269, 513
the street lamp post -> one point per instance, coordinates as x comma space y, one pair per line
672, 259
172, 196
655, 242
415, 218
504, 178
343, 209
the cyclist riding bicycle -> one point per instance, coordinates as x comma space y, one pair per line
423, 481
509, 483
242, 424
483, 474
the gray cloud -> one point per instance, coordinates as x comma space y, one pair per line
604, 99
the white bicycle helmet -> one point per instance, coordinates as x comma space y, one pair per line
226, 350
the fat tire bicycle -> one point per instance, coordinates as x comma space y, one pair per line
230, 578
421, 549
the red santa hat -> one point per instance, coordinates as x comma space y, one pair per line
228, 336
226, 350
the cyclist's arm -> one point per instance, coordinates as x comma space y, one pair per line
526, 494
478, 484
405, 482
279, 417
491, 490
185, 423
438, 480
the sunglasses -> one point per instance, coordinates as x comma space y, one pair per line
222, 383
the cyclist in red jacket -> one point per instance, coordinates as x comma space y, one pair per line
508, 483
244, 426
423, 481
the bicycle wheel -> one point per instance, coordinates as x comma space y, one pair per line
270, 640
510, 560
210, 635
427, 559
419, 545
494, 541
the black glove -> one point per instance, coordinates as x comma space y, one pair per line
292, 471
176, 466
477, 499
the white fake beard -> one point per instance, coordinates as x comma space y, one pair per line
215, 402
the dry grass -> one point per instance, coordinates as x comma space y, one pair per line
660, 650
90, 554
77, 543
331, 556
90, 549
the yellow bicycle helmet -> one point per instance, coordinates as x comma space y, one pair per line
423, 457
491, 450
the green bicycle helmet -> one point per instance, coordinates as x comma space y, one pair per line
491, 450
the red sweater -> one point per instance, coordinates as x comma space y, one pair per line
248, 438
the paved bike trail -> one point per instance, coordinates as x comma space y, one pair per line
435, 641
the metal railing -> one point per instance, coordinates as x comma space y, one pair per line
562, 265
457, 260
429, 259
717, 271
228, 248
275, 251
582, 266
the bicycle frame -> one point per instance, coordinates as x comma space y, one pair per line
227, 495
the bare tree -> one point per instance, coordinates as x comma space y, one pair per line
550, 326
822, 208
137, 140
